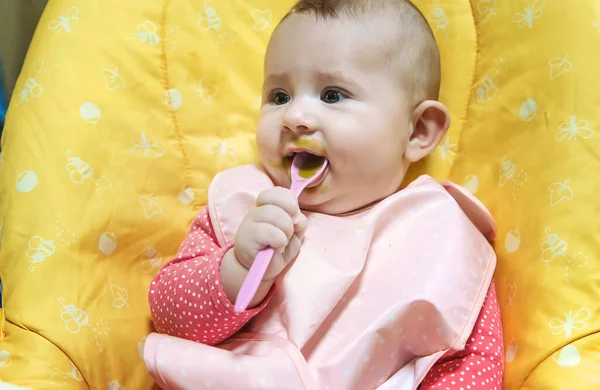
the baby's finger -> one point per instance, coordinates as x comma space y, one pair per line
282, 260
268, 235
281, 197
300, 224
275, 216
292, 249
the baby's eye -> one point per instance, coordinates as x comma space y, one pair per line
280, 98
331, 96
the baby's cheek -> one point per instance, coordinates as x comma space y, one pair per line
268, 130
264, 142
366, 154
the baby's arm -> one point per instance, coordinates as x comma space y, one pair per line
481, 364
186, 297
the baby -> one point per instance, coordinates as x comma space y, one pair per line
372, 285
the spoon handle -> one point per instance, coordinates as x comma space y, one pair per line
259, 267
264, 256
253, 279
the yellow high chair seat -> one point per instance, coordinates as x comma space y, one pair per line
126, 109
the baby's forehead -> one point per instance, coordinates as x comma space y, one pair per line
395, 39
303, 44
377, 33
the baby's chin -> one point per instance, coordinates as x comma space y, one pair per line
330, 206
317, 199
328, 199
322, 199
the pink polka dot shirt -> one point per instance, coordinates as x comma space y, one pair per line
188, 301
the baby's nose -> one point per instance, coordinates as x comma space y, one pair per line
300, 117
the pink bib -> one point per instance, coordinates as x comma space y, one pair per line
372, 301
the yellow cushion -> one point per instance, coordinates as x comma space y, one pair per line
530, 148
125, 111
122, 115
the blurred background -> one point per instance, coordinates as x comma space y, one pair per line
18, 19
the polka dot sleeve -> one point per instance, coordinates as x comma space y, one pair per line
186, 296
480, 366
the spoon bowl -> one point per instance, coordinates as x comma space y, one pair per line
307, 170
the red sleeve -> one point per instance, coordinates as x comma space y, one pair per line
480, 365
186, 296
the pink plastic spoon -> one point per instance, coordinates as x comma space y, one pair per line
306, 169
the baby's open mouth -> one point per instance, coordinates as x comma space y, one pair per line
313, 159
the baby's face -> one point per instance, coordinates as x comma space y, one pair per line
330, 90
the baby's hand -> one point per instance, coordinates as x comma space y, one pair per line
275, 221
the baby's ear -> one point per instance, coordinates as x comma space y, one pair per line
430, 121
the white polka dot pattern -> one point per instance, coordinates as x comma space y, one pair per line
480, 365
186, 296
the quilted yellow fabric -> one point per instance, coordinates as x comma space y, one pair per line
531, 149
125, 110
